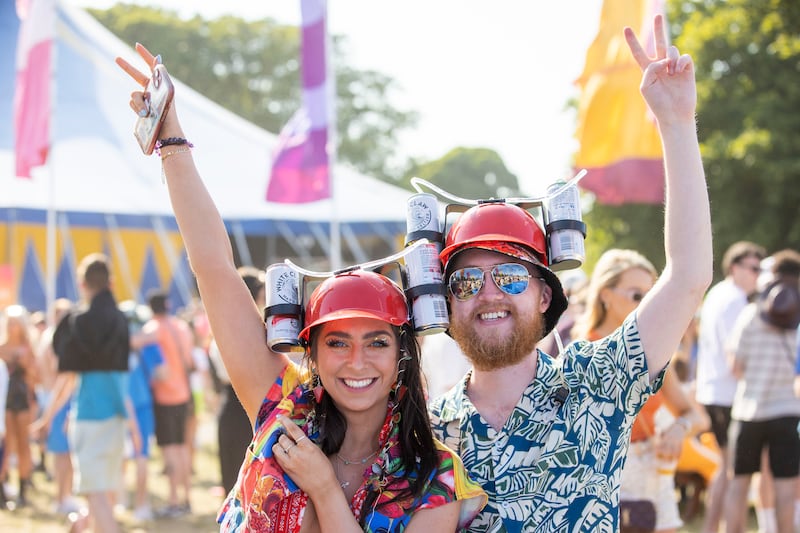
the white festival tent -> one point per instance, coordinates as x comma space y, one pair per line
105, 194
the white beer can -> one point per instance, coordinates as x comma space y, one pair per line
565, 229
426, 290
283, 310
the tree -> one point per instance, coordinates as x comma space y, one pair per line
747, 57
472, 173
252, 69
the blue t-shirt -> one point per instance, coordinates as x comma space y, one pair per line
100, 395
142, 365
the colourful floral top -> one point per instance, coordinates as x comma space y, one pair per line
555, 465
266, 499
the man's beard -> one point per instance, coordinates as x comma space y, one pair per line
495, 353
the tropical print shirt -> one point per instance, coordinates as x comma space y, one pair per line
555, 465
266, 499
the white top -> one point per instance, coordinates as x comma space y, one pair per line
443, 363
722, 305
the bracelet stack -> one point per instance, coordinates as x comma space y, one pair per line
172, 141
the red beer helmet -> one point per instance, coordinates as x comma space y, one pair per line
355, 294
498, 222
495, 221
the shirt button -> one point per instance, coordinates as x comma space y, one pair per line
505, 505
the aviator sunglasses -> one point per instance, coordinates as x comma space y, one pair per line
511, 278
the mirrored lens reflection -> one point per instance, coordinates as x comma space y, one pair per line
511, 278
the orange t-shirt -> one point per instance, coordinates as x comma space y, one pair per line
175, 341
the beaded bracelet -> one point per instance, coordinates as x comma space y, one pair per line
171, 141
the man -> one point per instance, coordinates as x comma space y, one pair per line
715, 384
547, 437
765, 411
172, 399
92, 348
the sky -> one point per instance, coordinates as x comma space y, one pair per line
480, 74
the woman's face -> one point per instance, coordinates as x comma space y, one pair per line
625, 296
356, 359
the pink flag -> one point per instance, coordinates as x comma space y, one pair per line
32, 94
301, 162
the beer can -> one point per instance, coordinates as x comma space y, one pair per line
565, 229
283, 310
426, 290
422, 219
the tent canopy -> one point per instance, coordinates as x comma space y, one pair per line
97, 178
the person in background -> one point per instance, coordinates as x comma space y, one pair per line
57, 442
619, 281
234, 431
17, 351
765, 411
3, 394
92, 344
715, 383
146, 366
547, 436
172, 400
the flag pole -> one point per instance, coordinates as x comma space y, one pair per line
330, 97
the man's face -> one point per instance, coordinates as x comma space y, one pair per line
745, 273
495, 329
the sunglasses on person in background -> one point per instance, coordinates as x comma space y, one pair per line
634, 295
511, 278
755, 269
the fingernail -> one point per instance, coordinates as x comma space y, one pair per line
158, 59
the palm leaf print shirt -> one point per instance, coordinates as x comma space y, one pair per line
555, 465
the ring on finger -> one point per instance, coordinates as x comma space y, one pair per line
298, 440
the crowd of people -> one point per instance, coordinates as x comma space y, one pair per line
516, 434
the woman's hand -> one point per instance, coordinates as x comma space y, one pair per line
668, 83
303, 461
139, 100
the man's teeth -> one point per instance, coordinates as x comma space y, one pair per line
494, 315
357, 383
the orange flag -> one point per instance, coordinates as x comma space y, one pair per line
619, 143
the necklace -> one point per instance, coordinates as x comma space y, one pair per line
363, 461
346, 462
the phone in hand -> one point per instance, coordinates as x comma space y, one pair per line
159, 92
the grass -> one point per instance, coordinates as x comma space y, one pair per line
39, 515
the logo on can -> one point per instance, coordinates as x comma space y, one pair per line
426, 290
565, 229
422, 218
282, 313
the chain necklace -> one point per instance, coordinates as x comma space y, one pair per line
346, 462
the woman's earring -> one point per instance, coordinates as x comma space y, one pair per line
318, 389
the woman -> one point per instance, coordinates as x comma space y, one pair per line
619, 281
350, 450
16, 350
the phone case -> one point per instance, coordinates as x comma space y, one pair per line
160, 91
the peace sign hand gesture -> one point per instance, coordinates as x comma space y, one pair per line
140, 99
668, 84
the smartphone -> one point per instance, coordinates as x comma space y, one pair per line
159, 91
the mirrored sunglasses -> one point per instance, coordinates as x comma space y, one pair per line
511, 278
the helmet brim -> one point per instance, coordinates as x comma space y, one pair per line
350, 313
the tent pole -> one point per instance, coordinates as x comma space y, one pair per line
330, 90
50, 268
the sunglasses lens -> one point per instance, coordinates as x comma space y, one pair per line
511, 278
466, 282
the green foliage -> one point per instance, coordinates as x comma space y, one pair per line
635, 226
252, 69
747, 58
473, 173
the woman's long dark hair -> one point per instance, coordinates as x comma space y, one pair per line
417, 450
